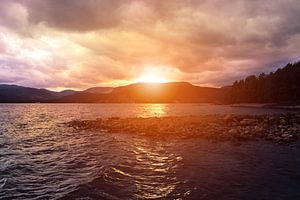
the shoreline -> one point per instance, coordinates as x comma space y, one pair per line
268, 106
278, 128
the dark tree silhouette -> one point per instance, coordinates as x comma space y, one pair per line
282, 86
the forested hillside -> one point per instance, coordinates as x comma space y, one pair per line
280, 86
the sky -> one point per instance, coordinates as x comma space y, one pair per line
79, 44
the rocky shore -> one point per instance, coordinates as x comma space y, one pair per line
278, 128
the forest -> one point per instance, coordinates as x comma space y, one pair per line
281, 86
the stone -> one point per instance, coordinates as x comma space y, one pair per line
258, 129
234, 124
286, 135
270, 136
283, 121
233, 131
228, 117
293, 129
247, 122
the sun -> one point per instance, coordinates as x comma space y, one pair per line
151, 79
153, 74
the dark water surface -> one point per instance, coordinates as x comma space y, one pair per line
42, 158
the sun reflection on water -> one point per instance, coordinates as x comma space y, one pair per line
157, 165
152, 110
151, 172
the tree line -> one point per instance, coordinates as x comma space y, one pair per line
281, 86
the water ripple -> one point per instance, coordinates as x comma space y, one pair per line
42, 158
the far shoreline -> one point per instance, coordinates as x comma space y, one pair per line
284, 106
250, 105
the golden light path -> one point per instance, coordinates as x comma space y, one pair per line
152, 110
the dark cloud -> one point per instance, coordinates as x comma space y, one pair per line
13, 15
75, 15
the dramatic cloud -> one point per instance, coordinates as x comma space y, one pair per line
82, 15
82, 43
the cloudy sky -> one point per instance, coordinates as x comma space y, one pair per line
83, 43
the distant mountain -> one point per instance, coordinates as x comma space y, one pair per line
281, 86
20, 94
90, 95
81, 97
167, 92
14, 93
64, 93
152, 93
99, 90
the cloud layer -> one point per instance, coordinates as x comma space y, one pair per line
83, 43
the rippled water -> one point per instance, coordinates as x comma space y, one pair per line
42, 158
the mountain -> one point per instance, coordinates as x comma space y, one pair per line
20, 94
152, 93
14, 94
281, 86
90, 95
167, 92
99, 90
81, 97
64, 93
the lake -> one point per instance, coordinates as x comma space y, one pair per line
42, 158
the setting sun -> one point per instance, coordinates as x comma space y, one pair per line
151, 79
141, 99
152, 75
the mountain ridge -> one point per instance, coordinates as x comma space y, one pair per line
281, 86
21, 94
149, 93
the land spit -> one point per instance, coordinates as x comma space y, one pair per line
278, 128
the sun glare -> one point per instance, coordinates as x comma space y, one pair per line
152, 75
151, 79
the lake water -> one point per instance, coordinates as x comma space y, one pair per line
42, 158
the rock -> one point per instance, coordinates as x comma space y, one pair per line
287, 136
271, 118
282, 121
269, 136
228, 117
234, 124
233, 131
277, 133
293, 129
258, 129
247, 132
247, 122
